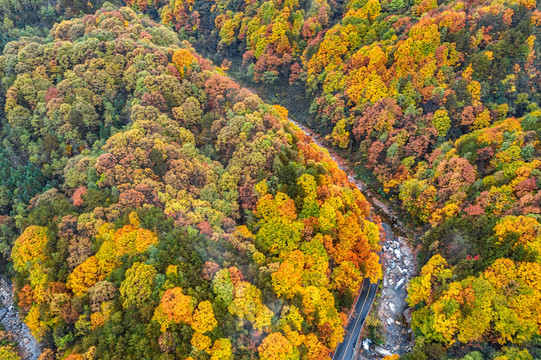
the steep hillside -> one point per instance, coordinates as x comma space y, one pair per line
111, 115
439, 101
180, 216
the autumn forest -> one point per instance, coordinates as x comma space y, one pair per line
156, 201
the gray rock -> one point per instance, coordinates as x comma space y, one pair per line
29, 347
366, 344
382, 351
407, 262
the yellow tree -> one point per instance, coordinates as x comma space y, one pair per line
200, 341
276, 347
175, 307
441, 121
316, 350
84, 276
347, 276
137, 286
518, 287
340, 134
522, 230
319, 307
35, 323
420, 288
183, 59
278, 229
248, 305
418, 198
221, 350
29, 247
7, 352
203, 318
287, 280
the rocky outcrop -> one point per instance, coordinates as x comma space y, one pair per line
29, 348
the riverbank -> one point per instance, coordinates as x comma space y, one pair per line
29, 348
398, 261
399, 265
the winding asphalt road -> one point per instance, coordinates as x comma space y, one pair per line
347, 348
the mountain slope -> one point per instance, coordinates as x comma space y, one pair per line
189, 218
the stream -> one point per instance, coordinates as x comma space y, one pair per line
398, 262
29, 348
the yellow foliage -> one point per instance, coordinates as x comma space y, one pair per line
38, 280
261, 188
276, 347
441, 121
287, 280
203, 318
467, 74
8, 352
243, 232
347, 276
340, 135
99, 318
420, 287
525, 229
247, 305
183, 59
221, 350
84, 276
29, 247
446, 212
200, 341
33, 320
475, 90
482, 120
175, 307
282, 111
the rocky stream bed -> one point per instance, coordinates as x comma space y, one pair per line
399, 264
29, 348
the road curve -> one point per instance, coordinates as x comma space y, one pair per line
347, 348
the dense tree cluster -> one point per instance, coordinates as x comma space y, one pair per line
440, 102
188, 219
34, 17
122, 140
401, 84
271, 36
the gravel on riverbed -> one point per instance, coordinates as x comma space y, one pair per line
398, 262
29, 348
